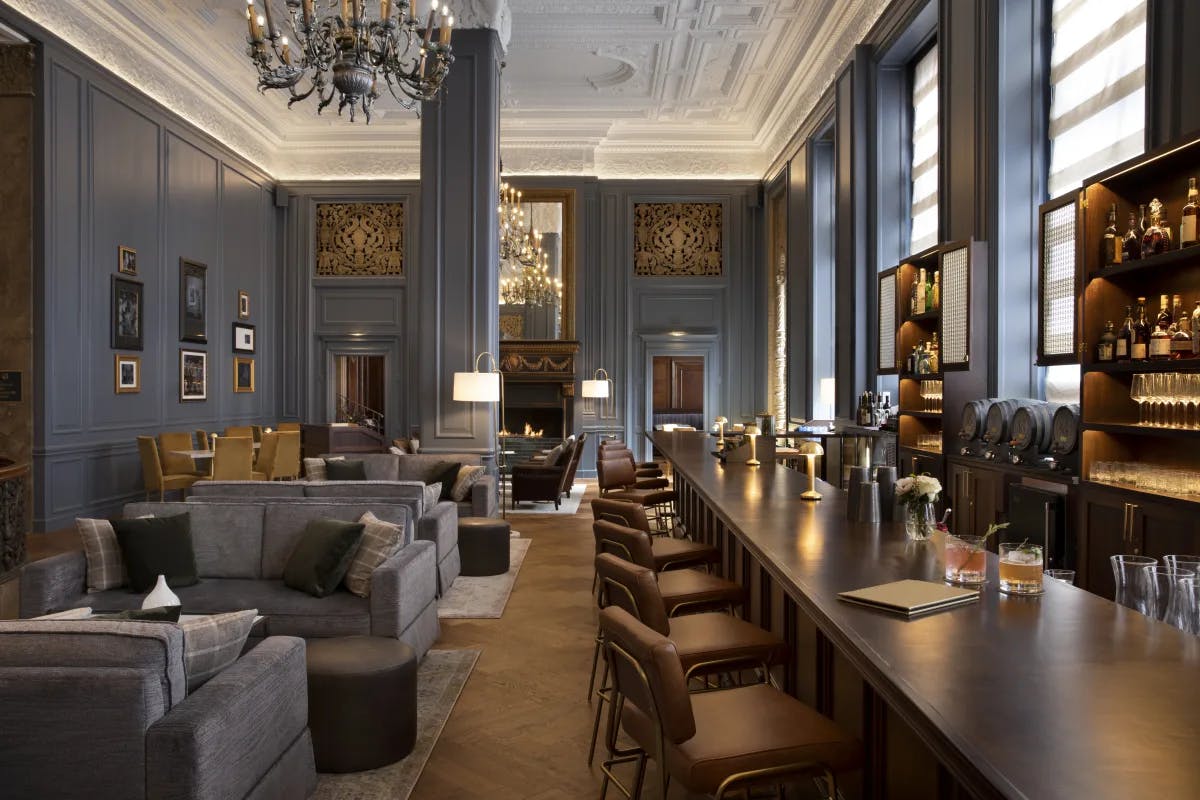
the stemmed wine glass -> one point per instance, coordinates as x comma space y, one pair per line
1140, 394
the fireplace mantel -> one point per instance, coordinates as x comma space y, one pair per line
539, 376
539, 360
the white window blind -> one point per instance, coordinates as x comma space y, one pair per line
924, 230
1097, 88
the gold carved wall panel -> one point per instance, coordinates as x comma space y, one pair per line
512, 326
678, 239
360, 240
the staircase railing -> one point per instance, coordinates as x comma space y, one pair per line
355, 412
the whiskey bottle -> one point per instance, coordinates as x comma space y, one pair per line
912, 300
1152, 242
1160, 337
1113, 245
937, 288
1195, 329
934, 354
1140, 348
1106, 350
929, 295
1181, 336
1133, 240
921, 292
1125, 337
1187, 221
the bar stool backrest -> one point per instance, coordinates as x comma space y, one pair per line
615, 474
627, 543
622, 512
646, 672
633, 588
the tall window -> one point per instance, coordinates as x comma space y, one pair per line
924, 229
1097, 88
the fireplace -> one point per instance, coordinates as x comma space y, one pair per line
539, 390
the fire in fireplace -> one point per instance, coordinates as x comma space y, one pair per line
529, 432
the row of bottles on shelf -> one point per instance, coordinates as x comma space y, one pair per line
926, 294
1150, 237
924, 358
873, 409
1172, 336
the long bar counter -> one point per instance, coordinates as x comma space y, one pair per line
1064, 695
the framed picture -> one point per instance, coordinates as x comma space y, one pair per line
127, 374
243, 304
193, 302
126, 260
243, 337
243, 374
126, 314
193, 375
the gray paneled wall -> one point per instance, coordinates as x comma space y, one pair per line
118, 171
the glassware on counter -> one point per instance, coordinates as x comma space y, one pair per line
1147, 477
1061, 575
966, 559
1173, 397
1158, 588
1127, 573
1020, 568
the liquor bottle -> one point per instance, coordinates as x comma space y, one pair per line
1181, 336
1107, 349
1139, 350
934, 354
929, 306
1125, 337
1133, 240
1152, 234
921, 292
1160, 337
912, 300
1187, 222
1113, 245
937, 288
1196, 329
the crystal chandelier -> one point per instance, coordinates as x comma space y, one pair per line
342, 53
526, 280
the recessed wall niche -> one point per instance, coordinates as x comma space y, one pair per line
360, 240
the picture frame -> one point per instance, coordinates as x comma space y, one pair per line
243, 338
126, 260
193, 302
243, 375
193, 375
127, 374
127, 316
243, 304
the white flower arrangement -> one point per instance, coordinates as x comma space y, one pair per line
918, 489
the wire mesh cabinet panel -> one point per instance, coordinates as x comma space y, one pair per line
889, 360
1059, 281
956, 306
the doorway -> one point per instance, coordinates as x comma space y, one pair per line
359, 383
678, 392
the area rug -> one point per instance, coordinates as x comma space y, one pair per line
568, 505
484, 598
440, 680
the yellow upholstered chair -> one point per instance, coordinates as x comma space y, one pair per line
152, 471
240, 430
202, 440
288, 426
173, 464
233, 458
257, 432
287, 456
264, 467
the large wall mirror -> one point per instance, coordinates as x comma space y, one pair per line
537, 292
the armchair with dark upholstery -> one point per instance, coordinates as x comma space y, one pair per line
545, 481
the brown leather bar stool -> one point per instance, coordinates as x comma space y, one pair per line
668, 551
643, 469
709, 644
618, 481
713, 743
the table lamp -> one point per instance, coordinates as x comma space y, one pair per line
810, 451
721, 421
752, 432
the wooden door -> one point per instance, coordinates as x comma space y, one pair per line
1161, 529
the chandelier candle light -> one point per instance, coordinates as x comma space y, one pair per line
528, 282
344, 54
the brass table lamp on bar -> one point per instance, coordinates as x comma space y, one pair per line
721, 422
810, 451
752, 433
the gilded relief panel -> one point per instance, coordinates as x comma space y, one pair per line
360, 240
678, 239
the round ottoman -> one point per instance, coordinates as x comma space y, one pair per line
483, 545
362, 702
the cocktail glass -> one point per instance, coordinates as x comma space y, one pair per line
1020, 568
1062, 575
966, 559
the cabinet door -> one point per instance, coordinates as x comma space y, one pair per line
1059, 281
960, 494
1162, 530
1103, 535
923, 463
987, 498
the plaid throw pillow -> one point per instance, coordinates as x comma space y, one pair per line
105, 567
212, 643
380, 541
468, 476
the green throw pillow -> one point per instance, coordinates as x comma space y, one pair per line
341, 470
160, 614
156, 546
322, 556
446, 474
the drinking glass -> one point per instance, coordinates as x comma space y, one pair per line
1139, 392
1182, 562
1184, 609
1127, 573
1020, 568
1158, 584
1172, 390
1063, 575
966, 559
1192, 396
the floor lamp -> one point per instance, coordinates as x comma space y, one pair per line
600, 387
485, 387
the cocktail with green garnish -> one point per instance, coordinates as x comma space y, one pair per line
966, 559
1020, 568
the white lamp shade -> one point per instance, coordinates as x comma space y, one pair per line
477, 387
595, 388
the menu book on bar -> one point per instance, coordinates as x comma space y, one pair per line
911, 598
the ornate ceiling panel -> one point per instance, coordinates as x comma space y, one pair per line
618, 89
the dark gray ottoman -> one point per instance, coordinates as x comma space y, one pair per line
483, 545
362, 702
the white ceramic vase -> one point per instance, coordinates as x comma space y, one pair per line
161, 595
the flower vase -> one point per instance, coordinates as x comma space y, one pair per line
161, 595
919, 521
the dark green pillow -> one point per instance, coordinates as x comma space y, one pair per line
446, 474
342, 470
159, 614
156, 546
322, 556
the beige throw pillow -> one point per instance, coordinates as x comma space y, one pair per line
433, 495
380, 541
105, 567
213, 642
468, 476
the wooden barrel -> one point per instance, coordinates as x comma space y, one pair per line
1065, 429
999, 418
973, 417
1032, 427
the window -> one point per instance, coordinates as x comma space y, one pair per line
1097, 88
924, 216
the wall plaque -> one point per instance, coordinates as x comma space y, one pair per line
10, 386
678, 239
360, 240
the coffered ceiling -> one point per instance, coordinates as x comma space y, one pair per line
613, 88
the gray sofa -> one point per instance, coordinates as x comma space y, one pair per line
482, 502
101, 709
241, 549
438, 524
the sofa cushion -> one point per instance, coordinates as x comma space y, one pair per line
402, 490
553, 457
284, 523
380, 541
227, 538
345, 470
445, 474
157, 546
105, 567
420, 467
379, 466
322, 555
468, 476
211, 643
248, 489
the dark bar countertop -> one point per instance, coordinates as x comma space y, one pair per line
1065, 695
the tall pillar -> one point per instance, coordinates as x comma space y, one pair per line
458, 272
